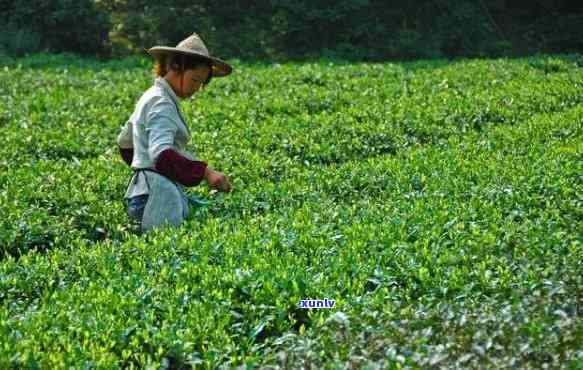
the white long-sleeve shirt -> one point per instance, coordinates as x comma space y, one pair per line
155, 125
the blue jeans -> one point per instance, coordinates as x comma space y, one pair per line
136, 206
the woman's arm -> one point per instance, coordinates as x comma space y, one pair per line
174, 166
161, 127
127, 154
179, 168
125, 143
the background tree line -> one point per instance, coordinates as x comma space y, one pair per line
363, 29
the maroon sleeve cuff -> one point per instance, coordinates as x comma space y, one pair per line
179, 168
127, 154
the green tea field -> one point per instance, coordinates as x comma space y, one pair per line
438, 203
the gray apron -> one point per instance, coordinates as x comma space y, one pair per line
165, 205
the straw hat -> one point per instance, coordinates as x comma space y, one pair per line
193, 46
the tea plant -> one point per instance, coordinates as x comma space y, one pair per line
439, 203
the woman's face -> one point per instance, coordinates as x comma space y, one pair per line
194, 79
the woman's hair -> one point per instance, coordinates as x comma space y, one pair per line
174, 62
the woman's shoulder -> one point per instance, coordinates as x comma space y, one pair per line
154, 94
155, 98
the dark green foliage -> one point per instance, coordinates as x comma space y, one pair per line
280, 29
369, 29
53, 25
349, 28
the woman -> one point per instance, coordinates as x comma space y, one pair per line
153, 140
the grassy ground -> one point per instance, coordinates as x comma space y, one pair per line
439, 203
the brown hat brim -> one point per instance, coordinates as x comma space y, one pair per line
219, 67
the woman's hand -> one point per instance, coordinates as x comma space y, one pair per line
217, 180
